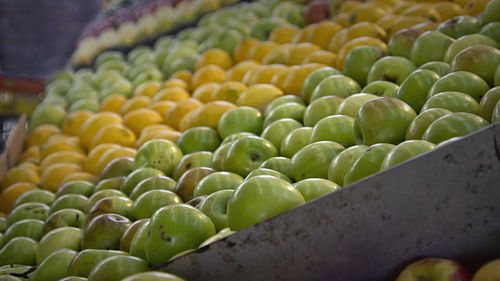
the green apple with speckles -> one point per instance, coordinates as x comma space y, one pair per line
246, 154
116, 268
152, 183
460, 81
314, 188
321, 108
295, 140
338, 84
159, 154
314, 79
440, 67
415, 88
215, 207
368, 163
405, 151
418, 125
312, 160
215, 182
455, 124
430, 46
343, 162
360, 60
337, 128
452, 101
391, 68
85, 260
381, 88
240, 119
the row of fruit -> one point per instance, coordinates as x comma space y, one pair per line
242, 134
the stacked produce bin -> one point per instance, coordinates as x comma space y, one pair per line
264, 140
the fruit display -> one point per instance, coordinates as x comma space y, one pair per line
260, 108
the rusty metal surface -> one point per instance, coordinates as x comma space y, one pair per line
443, 203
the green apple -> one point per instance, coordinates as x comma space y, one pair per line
267, 172
188, 181
401, 43
46, 114
19, 250
260, 198
7, 270
129, 234
117, 268
121, 86
37, 195
360, 60
98, 195
488, 102
236, 136
69, 201
312, 160
118, 167
383, 120
467, 41
223, 233
54, 266
440, 67
415, 88
337, 84
153, 276
337, 128
491, 30
191, 161
351, 105
176, 228
3, 224
263, 28
63, 218
184, 63
381, 88
215, 207
479, 59
434, 269
459, 26
277, 130
115, 205
222, 39
152, 183
30, 228
295, 140
280, 164
391, 68
85, 260
453, 101
218, 156
368, 163
138, 243
137, 176
87, 104
461, 81
77, 93
288, 110
81, 187
198, 139
59, 238
456, 124
496, 78
430, 46
321, 108
108, 56
215, 182
405, 151
111, 183
30, 210
343, 162
246, 154
149, 202
313, 80
495, 116
282, 100
314, 188
104, 232
490, 12
160, 154
418, 125
240, 119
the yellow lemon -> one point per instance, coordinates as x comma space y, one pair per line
41, 134
184, 75
113, 154
405, 22
210, 113
79, 176
323, 32
279, 78
62, 157
284, 33
448, 10
19, 174
95, 154
28, 165
259, 51
295, 79
300, 51
367, 12
217, 57
229, 91
304, 34
114, 133
55, 147
94, 123
156, 127
176, 82
137, 119
31, 154
206, 74
387, 21
74, 120
402, 6
259, 95
171, 94
237, 72
135, 103
52, 177
175, 114
321, 56
148, 88
157, 134
241, 51
362, 29
9, 196
278, 55
112, 103
265, 74
423, 10
204, 92
162, 106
